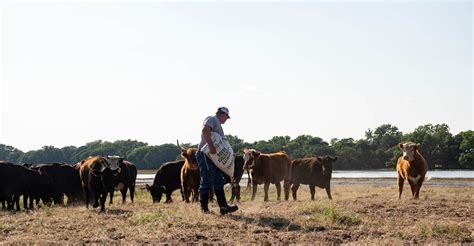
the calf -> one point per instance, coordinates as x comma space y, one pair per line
167, 180
313, 171
411, 166
268, 168
190, 176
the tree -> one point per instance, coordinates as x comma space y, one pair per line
9, 153
465, 141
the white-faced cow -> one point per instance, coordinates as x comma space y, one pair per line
411, 167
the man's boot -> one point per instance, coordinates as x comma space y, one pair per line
224, 208
204, 199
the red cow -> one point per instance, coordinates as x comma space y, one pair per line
412, 167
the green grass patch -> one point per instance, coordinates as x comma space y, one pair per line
456, 232
159, 215
330, 213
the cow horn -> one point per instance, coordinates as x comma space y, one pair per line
179, 146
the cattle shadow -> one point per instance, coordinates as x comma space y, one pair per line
275, 223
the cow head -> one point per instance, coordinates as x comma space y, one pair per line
249, 156
409, 150
114, 163
156, 192
106, 177
326, 163
190, 155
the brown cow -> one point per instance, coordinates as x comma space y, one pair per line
190, 176
97, 180
412, 167
268, 168
313, 171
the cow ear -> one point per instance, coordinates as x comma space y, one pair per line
184, 153
400, 146
319, 158
256, 154
120, 160
148, 188
418, 146
333, 158
163, 188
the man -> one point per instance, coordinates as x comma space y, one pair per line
211, 176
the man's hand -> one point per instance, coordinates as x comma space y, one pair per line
212, 149
206, 133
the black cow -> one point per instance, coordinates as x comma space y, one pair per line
234, 181
97, 180
16, 180
167, 180
125, 180
67, 182
313, 171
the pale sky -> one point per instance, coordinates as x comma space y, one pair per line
74, 72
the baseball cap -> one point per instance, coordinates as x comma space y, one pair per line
224, 110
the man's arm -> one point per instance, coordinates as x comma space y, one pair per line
206, 133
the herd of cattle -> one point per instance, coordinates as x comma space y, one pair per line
97, 177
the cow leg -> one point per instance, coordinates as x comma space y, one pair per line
278, 187
418, 187
124, 193
87, 195
103, 198
182, 194
400, 186
294, 189
132, 192
186, 193
312, 190
25, 201
111, 201
286, 189
10, 202
196, 193
254, 191
328, 191
95, 197
266, 185
235, 193
168, 197
16, 200
412, 187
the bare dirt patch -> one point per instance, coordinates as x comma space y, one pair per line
360, 213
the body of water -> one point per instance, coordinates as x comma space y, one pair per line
445, 174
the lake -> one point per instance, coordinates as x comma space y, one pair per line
356, 174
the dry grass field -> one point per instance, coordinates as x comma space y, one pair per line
360, 213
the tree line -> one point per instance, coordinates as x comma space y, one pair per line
378, 150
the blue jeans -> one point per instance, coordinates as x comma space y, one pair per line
211, 176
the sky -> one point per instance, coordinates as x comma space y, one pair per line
74, 72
